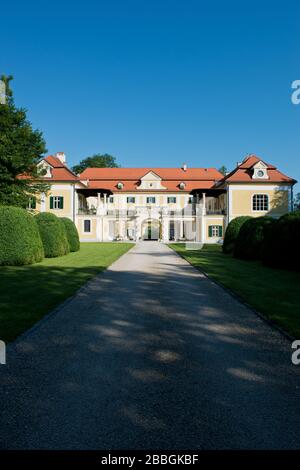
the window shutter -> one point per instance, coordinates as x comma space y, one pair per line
210, 231
51, 202
61, 202
220, 231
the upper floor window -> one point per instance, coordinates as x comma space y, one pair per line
31, 203
56, 202
130, 200
260, 202
171, 200
150, 200
111, 199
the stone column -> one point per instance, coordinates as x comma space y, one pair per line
204, 204
181, 229
165, 229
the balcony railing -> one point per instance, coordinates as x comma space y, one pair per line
85, 211
189, 211
215, 211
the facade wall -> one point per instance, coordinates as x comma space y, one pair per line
240, 200
107, 226
62, 190
87, 236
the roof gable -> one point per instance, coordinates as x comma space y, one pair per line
245, 172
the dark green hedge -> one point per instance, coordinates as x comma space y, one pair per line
20, 241
250, 240
72, 234
281, 248
53, 235
232, 232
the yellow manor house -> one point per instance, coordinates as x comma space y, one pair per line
181, 204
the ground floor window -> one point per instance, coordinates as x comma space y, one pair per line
260, 202
31, 203
56, 202
87, 226
215, 231
172, 230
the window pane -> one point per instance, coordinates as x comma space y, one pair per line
130, 200
260, 202
87, 226
150, 200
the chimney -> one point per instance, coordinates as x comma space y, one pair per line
184, 166
61, 156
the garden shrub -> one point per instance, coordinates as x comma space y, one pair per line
250, 240
20, 241
232, 232
281, 248
53, 235
72, 234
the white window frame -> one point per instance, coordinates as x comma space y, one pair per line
87, 231
56, 202
258, 205
215, 231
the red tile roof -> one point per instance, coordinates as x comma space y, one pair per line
242, 173
108, 178
60, 172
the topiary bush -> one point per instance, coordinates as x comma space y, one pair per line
72, 234
250, 240
53, 235
20, 241
232, 232
281, 248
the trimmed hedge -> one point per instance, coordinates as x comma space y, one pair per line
281, 248
20, 241
250, 240
232, 232
53, 235
72, 234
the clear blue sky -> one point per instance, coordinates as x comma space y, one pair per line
158, 83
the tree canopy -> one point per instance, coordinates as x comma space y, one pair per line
297, 202
223, 170
96, 161
21, 148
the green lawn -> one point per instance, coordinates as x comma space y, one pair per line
27, 293
273, 292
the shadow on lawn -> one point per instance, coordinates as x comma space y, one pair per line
143, 361
27, 293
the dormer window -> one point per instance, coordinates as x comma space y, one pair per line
260, 171
181, 185
120, 185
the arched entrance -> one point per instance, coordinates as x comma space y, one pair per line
151, 229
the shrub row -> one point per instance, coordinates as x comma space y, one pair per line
281, 248
25, 239
273, 241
